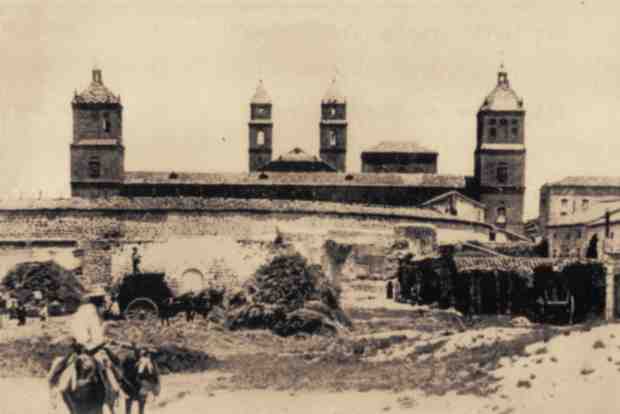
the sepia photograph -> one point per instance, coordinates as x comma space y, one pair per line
300, 207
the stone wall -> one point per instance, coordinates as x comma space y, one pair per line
101, 233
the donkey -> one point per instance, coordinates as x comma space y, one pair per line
140, 377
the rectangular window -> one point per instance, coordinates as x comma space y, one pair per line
94, 167
502, 173
493, 132
585, 204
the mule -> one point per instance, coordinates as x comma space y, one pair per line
140, 378
83, 389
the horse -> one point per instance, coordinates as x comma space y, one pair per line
84, 390
140, 377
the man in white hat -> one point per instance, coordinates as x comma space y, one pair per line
87, 332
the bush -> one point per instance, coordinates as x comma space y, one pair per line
53, 281
288, 296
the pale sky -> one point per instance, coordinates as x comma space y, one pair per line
415, 70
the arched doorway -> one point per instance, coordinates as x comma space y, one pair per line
192, 280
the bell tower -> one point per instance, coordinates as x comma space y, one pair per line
97, 152
260, 129
500, 155
333, 128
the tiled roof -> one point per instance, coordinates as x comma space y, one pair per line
297, 154
225, 204
586, 181
595, 212
261, 96
297, 161
293, 178
400, 146
503, 97
510, 147
502, 263
451, 193
97, 92
333, 94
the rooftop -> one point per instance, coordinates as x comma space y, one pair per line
299, 178
333, 94
97, 92
452, 193
400, 147
297, 160
586, 181
503, 97
224, 204
261, 96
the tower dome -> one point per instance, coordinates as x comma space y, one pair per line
97, 92
502, 97
333, 94
261, 97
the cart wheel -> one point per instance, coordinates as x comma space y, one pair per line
142, 310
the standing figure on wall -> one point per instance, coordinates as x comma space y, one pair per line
390, 289
135, 260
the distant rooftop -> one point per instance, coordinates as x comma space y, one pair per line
299, 161
261, 96
333, 94
225, 204
298, 178
587, 181
400, 147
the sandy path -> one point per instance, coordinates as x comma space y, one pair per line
185, 394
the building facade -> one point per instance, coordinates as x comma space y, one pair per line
574, 195
402, 177
399, 157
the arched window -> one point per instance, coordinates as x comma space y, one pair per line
333, 138
106, 124
94, 167
260, 138
502, 173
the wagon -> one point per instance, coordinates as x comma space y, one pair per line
141, 296
557, 302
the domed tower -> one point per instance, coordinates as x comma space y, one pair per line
260, 129
97, 152
333, 128
500, 155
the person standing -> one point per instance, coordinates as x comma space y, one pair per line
43, 313
135, 260
21, 314
389, 290
397, 292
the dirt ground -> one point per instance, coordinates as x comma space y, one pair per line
398, 358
